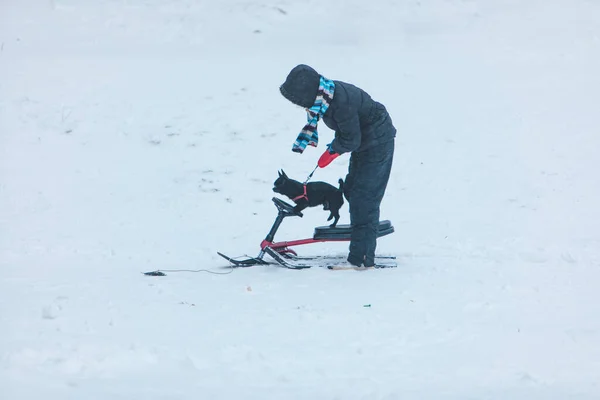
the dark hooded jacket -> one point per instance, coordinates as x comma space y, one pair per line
359, 121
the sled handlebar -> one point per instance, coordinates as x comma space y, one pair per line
286, 208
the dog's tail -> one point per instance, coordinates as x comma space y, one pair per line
341, 182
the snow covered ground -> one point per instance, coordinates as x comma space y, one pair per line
143, 135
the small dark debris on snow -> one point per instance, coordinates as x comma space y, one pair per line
257, 31
281, 10
155, 273
213, 190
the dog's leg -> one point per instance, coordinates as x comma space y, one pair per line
336, 215
300, 207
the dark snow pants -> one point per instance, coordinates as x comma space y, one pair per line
367, 179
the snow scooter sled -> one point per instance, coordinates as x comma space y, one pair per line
285, 257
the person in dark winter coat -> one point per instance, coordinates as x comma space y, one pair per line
364, 128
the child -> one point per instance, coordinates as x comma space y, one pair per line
363, 128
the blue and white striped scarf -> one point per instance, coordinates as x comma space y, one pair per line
309, 134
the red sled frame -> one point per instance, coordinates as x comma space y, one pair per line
340, 233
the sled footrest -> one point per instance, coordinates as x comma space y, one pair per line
343, 232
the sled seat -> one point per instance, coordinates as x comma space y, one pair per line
343, 232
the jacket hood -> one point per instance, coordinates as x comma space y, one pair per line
301, 86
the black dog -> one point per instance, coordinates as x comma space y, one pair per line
312, 194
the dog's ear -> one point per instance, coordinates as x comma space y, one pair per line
279, 172
283, 174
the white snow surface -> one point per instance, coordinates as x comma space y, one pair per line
138, 135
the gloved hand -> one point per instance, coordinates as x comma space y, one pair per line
327, 157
